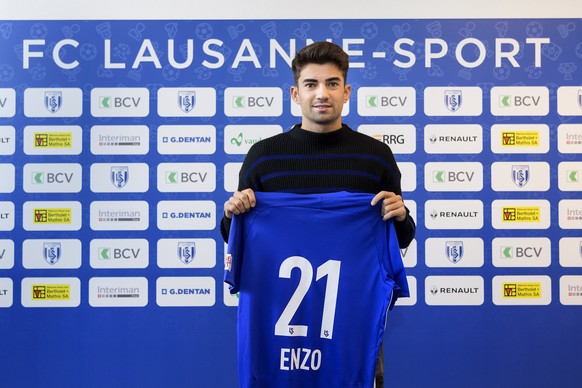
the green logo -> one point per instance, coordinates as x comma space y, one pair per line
104, 253
505, 101
105, 102
37, 177
371, 101
572, 176
238, 102
237, 140
439, 176
506, 252
171, 177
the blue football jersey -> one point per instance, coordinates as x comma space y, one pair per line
316, 275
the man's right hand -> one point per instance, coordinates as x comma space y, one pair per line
240, 202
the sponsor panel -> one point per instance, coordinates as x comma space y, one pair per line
413, 289
50, 292
570, 252
569, 176
186, 291
519, 290
570, 213
453, 214
186, 102
186, 139
453, 101
231, 171
253, 102
7, 102
6, 254
408, 180
6, 216
53, 140
51, 215
400, 138
120, 177
120, 140
7, 140
118, 292
570, 138
521, 252
186, 253
570, 100
520, 101
53, 102
386, 101
453, 139
454, 290
6, 292
520, 138
186, 215
7, 178
520, 214
520, 176
119, 253
119, 215
454, 252
186, 177
51, 254
410, 254
453, 176
238, 139
120, 102
571, 290
52, 178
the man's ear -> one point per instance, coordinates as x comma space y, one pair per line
347, 93
294, 94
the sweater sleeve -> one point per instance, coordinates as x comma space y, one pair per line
405, 230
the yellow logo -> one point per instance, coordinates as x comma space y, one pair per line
521, 214
522, 290
520, 138
51, 291
53, 216
53, 140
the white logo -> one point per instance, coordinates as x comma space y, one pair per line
51, 254
386, 101
571, 290
520, 101
116, 178
7, 102
238, 139
186, 139
120, 140
62, 102
52, 178
454, 252
521, 252
6, 254
118, 292
186, 253
185, 291
516, 176
454, 290
453, 139
7, 180
186, 102
7, 140
253, 102
120, 102
186, 215
6, 292
461, 101
453, 214
119, 215
119, 253
400, 138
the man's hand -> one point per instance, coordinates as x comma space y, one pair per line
240, 202
392, 205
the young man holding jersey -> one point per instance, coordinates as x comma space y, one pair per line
322, 155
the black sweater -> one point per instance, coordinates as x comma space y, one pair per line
302, 162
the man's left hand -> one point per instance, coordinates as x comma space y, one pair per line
392, 205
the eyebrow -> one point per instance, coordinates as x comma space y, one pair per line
327, 80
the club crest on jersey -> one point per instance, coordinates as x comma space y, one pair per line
453, 99
119, 176
454, 251
187, 100
53, 101
520, 175
186, 251
228, 262
51, 252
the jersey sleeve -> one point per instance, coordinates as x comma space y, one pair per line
395, 265
234, 254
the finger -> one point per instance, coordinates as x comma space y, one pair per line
378, 197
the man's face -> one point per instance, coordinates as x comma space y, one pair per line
321, 91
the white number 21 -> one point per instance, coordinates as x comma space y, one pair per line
331, 269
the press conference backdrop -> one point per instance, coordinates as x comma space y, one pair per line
121, 140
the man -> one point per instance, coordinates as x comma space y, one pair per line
322, 155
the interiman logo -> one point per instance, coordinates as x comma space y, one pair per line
119, 215
186, 139
253, 102
571, 290
118, 292
119, 140
386, 101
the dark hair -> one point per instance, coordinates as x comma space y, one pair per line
320, 53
